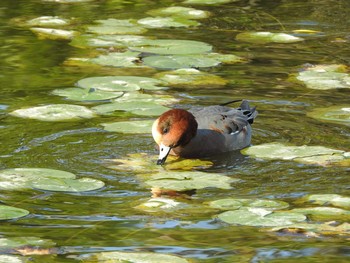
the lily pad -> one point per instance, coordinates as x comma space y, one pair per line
127, 59
55, 112
329, 199
267, 37
324, 77
14, 242
52, 33
336, 114
119, 41
160, 22
12, 259
180, 11
171, 47
260, 217
138, 257
116, 26
86, 95
68, 185
160, 203
134, 107
189, 180
233, 204
9, 212
120, 83
326, 213
135, 126
189, 76
305, 154
48, 21
180, 61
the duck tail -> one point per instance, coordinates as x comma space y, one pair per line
251, 113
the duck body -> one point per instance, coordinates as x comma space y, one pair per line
204, 131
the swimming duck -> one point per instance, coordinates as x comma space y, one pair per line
204, 131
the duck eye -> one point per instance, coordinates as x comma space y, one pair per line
165, 130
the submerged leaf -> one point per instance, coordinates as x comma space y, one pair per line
267, 37
9, 212
136, 126
337, 114
55, 112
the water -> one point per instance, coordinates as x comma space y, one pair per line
105, 220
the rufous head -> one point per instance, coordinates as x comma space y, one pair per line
172, 129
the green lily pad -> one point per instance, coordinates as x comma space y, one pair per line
126, 59
337, 114
120, 83
324, 77
12, 259
180, 61
9, 212
116, 26
208, 2
171, 47
323, 213
233, 204
86, 95
55, 112
48, 21
180, 11
14, 242
52, 33
160, 22
267, 37
134, 107
68, 185
329, 199
189, 76
138, 257
21, 178
135, 126
189, 180
119, 41
160, 203
305, 154
260, 217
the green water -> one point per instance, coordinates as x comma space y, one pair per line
105, 220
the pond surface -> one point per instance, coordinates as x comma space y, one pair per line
75, 224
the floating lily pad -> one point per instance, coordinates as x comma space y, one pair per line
9, 212
134, 107
86, 95
324, 77
14, 242
325, 213
180, 11
127, 59
91, 40
67, 185
180, 61
189, 180
267, 37
52, 33
305, 154
171, 47
260, 217
190, 76
160, 203
48, 21
160, 22
55, 112
143, 163
135, 126
117, 26
233, 204
144, 257
330, 199
337, 114
120, 83
208, 2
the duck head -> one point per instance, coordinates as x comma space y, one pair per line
174, 128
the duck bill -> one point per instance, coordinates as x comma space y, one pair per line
163, 153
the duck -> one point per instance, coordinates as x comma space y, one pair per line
203, 131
